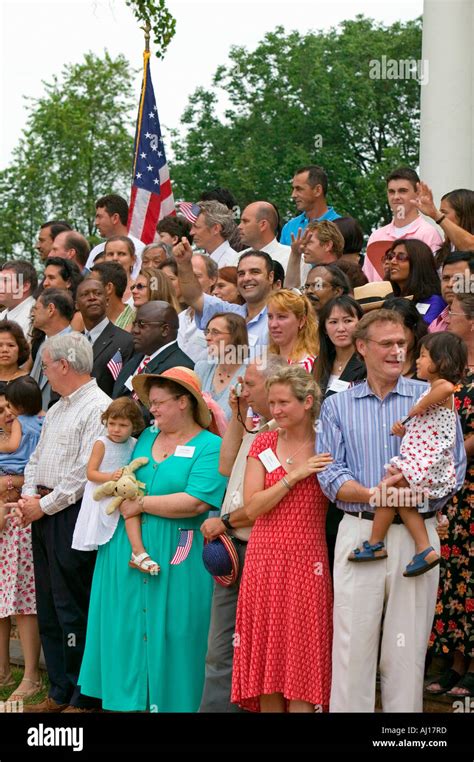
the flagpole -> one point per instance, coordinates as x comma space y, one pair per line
151, 195
146, 58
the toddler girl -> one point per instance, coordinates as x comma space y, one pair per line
109, 455
21, 419
426, 458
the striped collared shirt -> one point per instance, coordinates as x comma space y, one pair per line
355, 427
60, 460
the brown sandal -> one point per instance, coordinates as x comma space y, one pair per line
20, 694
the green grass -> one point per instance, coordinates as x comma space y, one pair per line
17, 673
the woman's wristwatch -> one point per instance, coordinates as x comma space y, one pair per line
225, 518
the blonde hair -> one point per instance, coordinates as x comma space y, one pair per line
307, 337
159, 287
327, 231
301, 383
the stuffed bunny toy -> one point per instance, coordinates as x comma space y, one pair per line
125, 488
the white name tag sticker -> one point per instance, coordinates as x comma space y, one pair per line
422, 308
128, 383
184, 451
339, 386
269, 460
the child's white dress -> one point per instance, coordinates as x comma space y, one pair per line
427, 451
93, 526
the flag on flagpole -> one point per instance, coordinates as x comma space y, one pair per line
115, 364
151, 196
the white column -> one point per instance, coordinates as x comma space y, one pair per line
447, 99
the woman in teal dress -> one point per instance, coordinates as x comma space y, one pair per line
147, 634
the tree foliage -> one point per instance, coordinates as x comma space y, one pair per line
76, 146
299, 99
162, 23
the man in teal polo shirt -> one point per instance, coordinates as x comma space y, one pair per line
310, 186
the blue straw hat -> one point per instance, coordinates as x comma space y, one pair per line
221, 560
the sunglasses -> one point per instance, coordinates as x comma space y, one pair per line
398, 256
138, 287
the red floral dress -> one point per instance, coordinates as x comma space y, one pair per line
283, 633
453, 624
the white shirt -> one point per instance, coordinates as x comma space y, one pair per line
152, 357
139, 246
276, 251
69, 431
225, 255
21, 314
95, 332
190, 338
235, 489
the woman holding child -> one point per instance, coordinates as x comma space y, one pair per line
153, 656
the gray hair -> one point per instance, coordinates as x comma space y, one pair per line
161, 245
268, 365
216, 213
72, 347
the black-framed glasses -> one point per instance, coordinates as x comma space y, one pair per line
143, 323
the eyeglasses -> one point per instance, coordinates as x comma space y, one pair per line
317, 286
156, 405
450, 313
143, 323
398, 256
389, 344
214, 332
137, 286
45, 367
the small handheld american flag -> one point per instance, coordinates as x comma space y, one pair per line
184, 546
115, 364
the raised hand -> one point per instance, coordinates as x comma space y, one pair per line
183, 252
297, 244
425, 202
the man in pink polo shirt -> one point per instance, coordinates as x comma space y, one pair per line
407, 222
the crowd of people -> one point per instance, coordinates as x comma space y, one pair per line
236, 463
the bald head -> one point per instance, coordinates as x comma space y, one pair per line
157, 310
258, 224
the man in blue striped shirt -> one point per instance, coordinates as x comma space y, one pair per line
355, 427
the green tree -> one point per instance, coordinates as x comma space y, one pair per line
299, 99
162, 23
77, 145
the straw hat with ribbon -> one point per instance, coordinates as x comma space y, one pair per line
186, 378
209, 414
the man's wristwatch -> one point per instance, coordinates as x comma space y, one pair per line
225, 518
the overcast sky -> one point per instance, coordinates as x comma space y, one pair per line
38, 38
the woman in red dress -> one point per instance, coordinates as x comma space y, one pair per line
283, 634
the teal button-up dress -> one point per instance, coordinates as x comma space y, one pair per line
147, 635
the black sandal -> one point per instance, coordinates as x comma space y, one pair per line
467, 685
447, 680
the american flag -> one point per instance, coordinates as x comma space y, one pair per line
184, 546
189, 210
151, 196
115, 364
